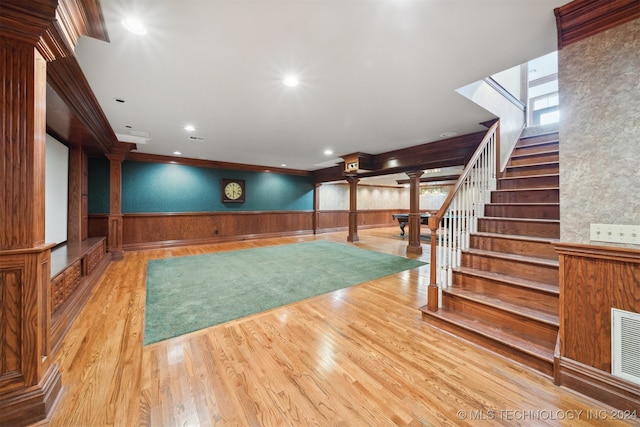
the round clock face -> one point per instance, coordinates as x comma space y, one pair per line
233, 190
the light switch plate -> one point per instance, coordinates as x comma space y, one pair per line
614, 233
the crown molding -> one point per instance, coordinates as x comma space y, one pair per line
581, 19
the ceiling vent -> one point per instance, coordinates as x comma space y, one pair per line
625, 345
196, 138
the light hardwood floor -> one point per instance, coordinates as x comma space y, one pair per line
359, 356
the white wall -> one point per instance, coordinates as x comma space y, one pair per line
56, 191
336, 197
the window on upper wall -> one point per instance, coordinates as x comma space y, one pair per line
543, 103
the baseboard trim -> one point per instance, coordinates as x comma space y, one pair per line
24, 407
599, 385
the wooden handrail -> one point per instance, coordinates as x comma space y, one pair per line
434, 220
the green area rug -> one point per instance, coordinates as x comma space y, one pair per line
189, 293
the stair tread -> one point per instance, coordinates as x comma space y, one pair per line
514, 339
517, 281
506, 305
514, 257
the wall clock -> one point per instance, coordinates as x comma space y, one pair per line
233, 190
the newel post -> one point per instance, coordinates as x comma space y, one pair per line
432, 290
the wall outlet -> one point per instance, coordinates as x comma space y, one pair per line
613, 233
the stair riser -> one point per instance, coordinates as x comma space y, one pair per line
531, 298
523, 211
526, 196
520, 160
504, 320
519, 228
529, 182
528, 170
512, 246
536, 148
543, 366
533, 140
524, 270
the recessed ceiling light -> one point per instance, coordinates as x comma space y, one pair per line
291, 80
448, 134
189, 128
283, 165
177, 153
328, 152
135, 26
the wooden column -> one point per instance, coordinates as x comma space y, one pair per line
353, 209
316, 207
29, 382
414, 246
114, 239
78, 196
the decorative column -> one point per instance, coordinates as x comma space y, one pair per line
353, 209
115, 231
29, 382
78, 196
316, 207
414, 246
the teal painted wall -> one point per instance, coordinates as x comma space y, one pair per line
163, 187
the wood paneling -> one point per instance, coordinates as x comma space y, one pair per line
583, 18
23, 141
593, 280
172, 229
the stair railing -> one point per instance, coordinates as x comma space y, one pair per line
458, 217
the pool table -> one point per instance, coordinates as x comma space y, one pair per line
403, 219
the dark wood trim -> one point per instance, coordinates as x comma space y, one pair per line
581, 19
437, 154
600, 385
613, 253
155, 158
70, 84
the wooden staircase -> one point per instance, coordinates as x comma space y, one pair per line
505, 295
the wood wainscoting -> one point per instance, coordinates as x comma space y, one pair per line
593, 280
154, 230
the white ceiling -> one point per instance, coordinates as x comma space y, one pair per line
375, 75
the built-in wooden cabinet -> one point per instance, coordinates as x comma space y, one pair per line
75, 269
